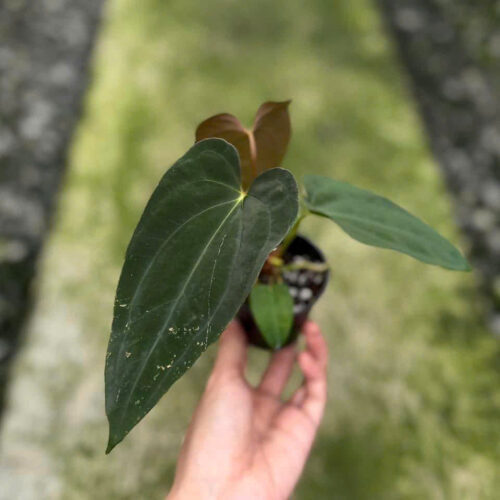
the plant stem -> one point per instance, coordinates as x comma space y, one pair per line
303, 212
290, 236
293, 232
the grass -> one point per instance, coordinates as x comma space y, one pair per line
414, 399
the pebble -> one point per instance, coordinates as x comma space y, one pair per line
302, 279
298, 308
318, 279
291, 276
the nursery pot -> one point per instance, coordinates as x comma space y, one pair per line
305, 286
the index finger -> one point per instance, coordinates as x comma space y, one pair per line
232, 353
311, 397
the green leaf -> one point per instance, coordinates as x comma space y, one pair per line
194, 256
272, 309
376, 221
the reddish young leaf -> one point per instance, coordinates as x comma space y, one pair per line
228, 127
272, 131
261, 148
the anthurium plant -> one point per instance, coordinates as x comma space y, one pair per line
219, 239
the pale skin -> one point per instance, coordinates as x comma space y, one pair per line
245, 442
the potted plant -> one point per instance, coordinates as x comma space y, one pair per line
219, 239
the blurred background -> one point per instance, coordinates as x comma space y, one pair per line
401, 97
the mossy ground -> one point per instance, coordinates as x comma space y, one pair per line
414, 398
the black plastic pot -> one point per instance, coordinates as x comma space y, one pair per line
305, 286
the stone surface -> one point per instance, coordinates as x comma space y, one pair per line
451, 50
44, 54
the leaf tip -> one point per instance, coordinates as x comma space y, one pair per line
284, 103
466, 267
113, 440
460, 262
109, 447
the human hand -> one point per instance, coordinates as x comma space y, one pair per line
244, 442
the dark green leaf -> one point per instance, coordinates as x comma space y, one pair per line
376, 221
272, 308
192, 261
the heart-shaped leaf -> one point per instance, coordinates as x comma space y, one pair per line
272, 309
194, 256
261, 148
376, 221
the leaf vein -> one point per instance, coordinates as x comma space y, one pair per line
186, 282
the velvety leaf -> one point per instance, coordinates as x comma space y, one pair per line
228, 127
194, 256
272, 309
272, 131
376, 221
261, 148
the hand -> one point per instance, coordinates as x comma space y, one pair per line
245, 442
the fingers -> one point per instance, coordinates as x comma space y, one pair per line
311, 397
299, 396
296, 424
232, 353
278, 371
